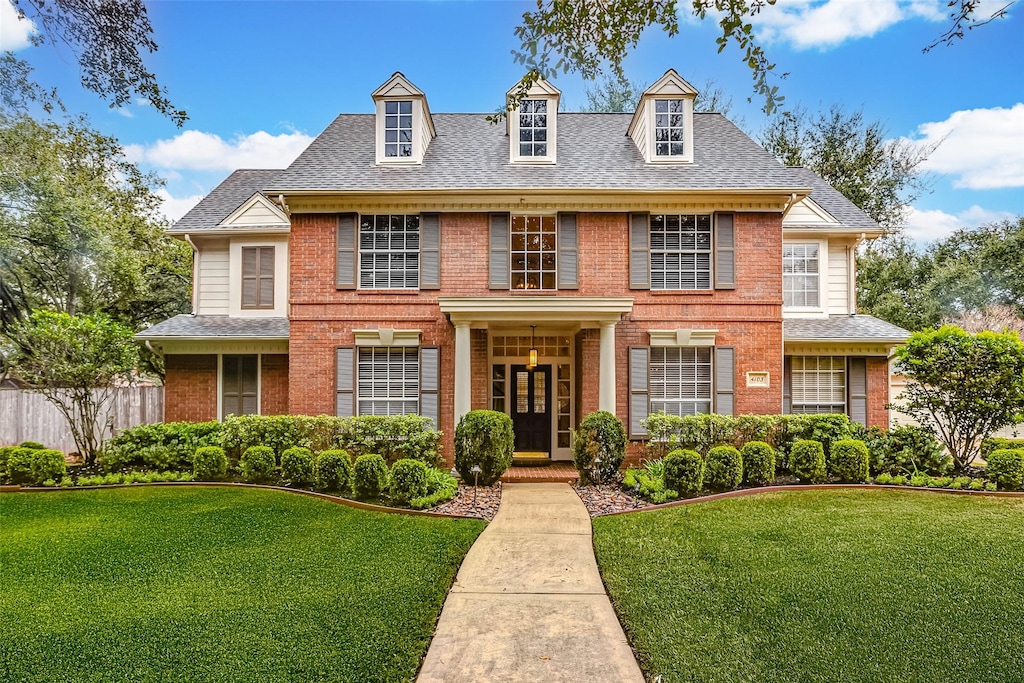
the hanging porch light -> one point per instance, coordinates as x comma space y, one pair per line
533, 348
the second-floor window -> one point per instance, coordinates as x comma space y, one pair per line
398, 129
680, 252
533, 128
389, 252
257, 277
679, 379
668, 128
800, 277
533, 257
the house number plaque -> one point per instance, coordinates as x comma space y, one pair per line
758, 379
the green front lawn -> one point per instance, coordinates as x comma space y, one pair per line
822, 586
217, 584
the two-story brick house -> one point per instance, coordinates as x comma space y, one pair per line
549, 267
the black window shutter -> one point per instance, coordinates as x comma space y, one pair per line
345, 362
430, 370
725, 251
639, 405
858, 406
787, 385
345, 274
430, 251
725, 380
499, 262
568, 252
639, 251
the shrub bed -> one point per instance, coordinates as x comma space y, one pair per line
1006, 468
209, 463
483, 438
758, 463
332, 471
258, 464
369, 477
163, 446
684, 472
408, 481
441, 487
297, 466
849, 461
33, 466
599, 447
723, 468
807, 461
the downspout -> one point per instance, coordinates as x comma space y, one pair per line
851, 265
195, 273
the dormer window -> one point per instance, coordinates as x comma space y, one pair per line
662, 126
533, 128
668, 128
398, 128
533, 133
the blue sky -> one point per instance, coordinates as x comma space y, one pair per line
260, 79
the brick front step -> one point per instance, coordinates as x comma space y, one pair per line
558, 472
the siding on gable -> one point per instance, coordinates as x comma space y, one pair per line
801, 213
214, 278
258, 214
838, 291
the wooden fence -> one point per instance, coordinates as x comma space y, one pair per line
28, 416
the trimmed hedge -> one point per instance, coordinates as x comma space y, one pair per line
849, 463
483, 438
33, 466
332, 471
758, 463
209, 463
723, 468
601, 436
807, 461
408, 480
297, 466
258, 464
369, 477
684, 471
904, 450
1006, 468
163, 446
995, 443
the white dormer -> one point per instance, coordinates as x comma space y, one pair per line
404, 126
662, 126
257, 212
533, 130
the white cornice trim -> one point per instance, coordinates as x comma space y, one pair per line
682, 337
535, 309
387, 336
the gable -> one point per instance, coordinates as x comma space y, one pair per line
808, 212
256, 211
397, 86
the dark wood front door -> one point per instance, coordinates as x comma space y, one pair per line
531, 408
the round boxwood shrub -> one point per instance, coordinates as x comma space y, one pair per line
723, 468
33, 466
758, 463
684, 471
332, 471
601, 437
483, 438
258, 464
34, 445
850, 461
807, 461
209, 463
1005, 467
408, 480
369, 476
297, 466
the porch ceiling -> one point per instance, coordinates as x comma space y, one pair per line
582, 310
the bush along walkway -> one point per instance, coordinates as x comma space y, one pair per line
528, 603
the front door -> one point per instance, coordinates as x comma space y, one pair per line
531, 408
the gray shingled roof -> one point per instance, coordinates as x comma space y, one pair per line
593, 153
217, 326
224, 199
833, 201
845, 327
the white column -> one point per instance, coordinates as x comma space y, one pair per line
463, 373
606, 394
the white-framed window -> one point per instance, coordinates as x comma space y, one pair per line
533, 256
801, 274
533, 128
398, 128
389, 252
679, 379
680, 251
387, 381
818, 384
669, 133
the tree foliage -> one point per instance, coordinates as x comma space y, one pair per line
108, 38
76, 362
613, 95
962, 387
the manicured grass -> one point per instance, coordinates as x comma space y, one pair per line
217, 584
822, 586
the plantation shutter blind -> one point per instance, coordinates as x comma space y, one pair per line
430, 251
568, 252
725, 380
430, 370
639, 251
499, 246
639, 406
859, 390
345, 271
725, 251
239, 385
345, 360
787, 385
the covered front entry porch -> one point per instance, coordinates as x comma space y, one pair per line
543, 399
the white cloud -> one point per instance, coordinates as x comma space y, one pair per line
14, 32
827, 23
125, 112
927, 226
980, 148
174, 208
198, 151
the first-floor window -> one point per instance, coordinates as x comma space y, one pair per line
239, 381
818, 384
679, 379
388, 381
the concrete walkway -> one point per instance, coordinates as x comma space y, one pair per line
528, 603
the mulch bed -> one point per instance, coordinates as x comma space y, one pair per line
483, 503
608, 499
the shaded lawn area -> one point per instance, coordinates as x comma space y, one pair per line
822, 586
217, 584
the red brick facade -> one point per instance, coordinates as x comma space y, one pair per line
274, 384
190, 392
